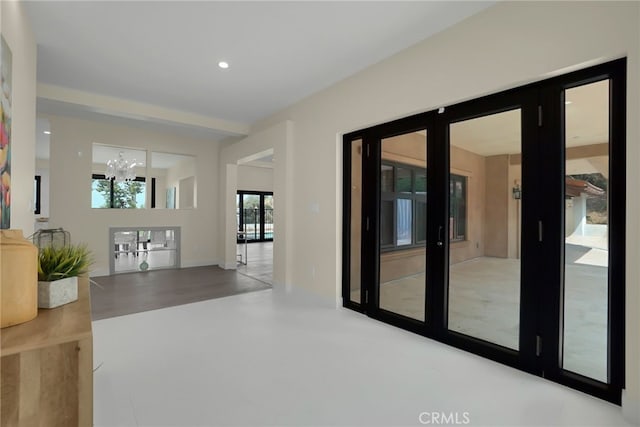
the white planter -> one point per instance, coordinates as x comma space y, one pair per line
58, 292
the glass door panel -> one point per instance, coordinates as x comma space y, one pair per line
355, 227
239, 218
484, 228
251, 216
586, 247
403, 224
254, 211
268, 217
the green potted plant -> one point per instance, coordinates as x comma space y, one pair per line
58, 271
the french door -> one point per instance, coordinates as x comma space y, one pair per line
497, 226
254, 216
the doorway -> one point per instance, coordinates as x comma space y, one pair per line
254, 217
497, 226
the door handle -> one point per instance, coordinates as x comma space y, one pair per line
440, 241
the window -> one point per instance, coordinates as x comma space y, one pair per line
457, 208
404, 206
36, 194
106, 193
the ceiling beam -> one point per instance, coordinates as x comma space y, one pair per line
137, 110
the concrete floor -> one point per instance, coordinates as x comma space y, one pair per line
261, 359
264, 359
484, 302
484, 299
404, 296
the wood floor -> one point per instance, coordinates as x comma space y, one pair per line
122, 294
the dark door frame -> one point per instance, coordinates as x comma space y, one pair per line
542, 105
261, 194
525, 100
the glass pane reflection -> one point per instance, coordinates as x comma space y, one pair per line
484, 228
403, 224
586, 247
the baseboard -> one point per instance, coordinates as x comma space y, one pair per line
630, 409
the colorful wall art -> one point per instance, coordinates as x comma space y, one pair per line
5, 134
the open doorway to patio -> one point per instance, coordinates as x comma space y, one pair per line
254, 217
497, 226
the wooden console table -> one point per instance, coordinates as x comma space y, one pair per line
47, 367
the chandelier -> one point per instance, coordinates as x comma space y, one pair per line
120, 169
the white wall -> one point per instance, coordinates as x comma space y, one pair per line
161, 186
70, 205
508, 45
175, 175
17, 32
186, 193
252, 178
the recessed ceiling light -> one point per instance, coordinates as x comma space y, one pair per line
46, 132
223, 64
568, 102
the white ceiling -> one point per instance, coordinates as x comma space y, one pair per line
165, 53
